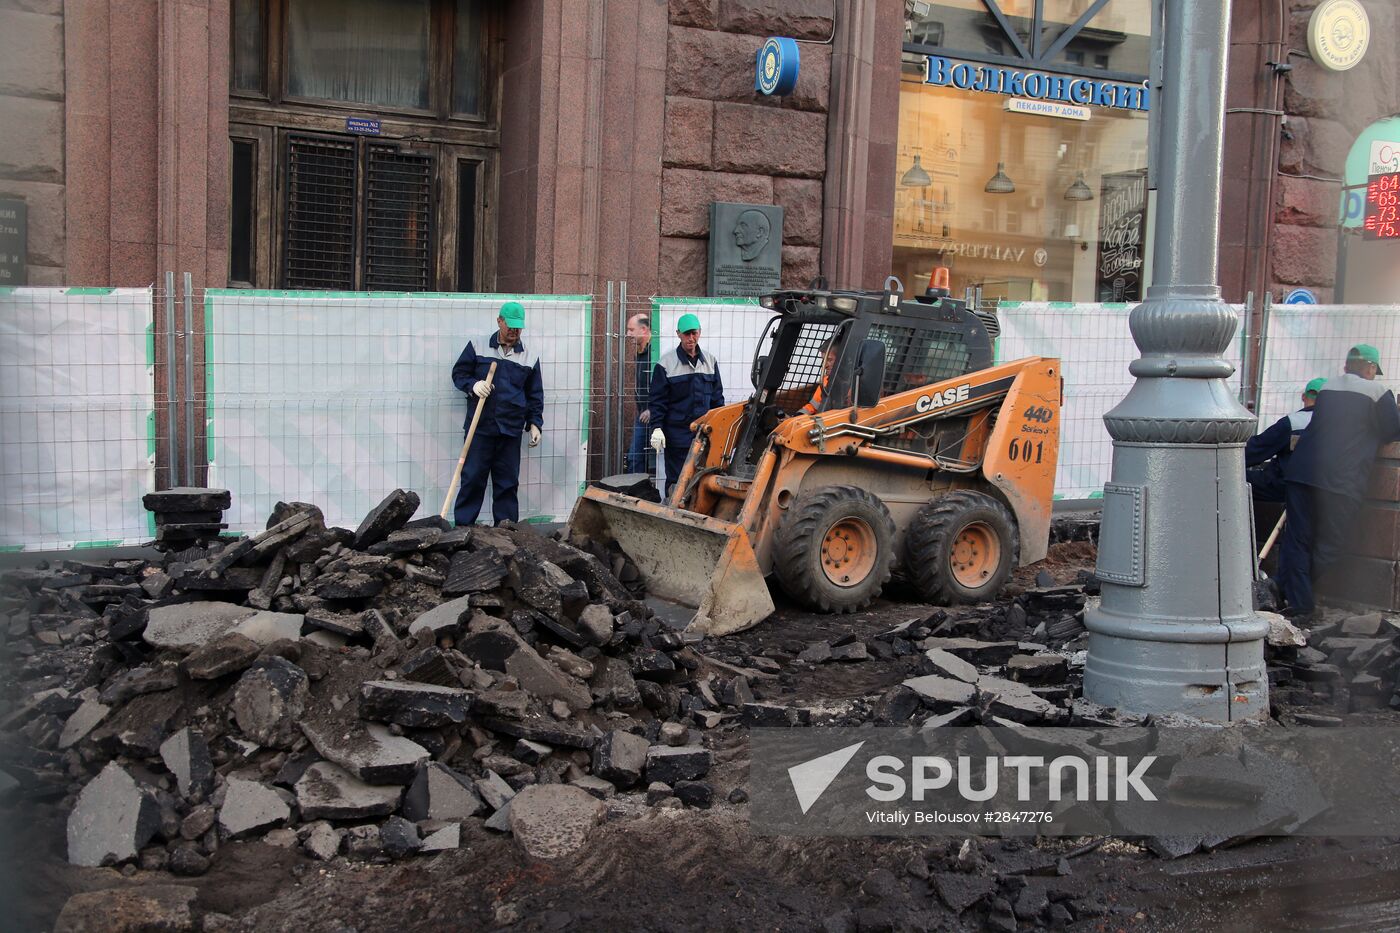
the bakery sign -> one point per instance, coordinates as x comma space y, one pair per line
1338, 34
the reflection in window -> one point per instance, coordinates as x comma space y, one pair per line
360, 51
467, 71
248, 47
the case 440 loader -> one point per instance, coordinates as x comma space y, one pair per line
921, 456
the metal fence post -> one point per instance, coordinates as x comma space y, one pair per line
1176, 630
187, 333
607, 384
172, 440
622, 440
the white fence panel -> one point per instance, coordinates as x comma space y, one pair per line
1095, 347
77, 420
339, 398
1302, 342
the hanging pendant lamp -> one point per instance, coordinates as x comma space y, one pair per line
916, 177
1079, 191
1000, 183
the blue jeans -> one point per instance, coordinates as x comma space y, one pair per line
640, 457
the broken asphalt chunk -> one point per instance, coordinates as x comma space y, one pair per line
416, 705
112, 820
326, 791
439, 793
369, 751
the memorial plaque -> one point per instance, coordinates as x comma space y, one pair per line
746, 249
14, 248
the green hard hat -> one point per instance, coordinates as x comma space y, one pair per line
1314, 386
1364, 351
513, 313
687, 322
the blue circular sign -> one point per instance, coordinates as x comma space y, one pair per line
776, 70
1300, 296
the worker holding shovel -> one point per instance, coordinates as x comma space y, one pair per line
505, 395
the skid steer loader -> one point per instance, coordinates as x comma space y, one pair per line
920, 454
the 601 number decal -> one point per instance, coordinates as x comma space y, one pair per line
1026, 450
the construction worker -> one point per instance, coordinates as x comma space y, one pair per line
640, 458
828, 364
512, 403
684, 385
1326, 478
1267, 452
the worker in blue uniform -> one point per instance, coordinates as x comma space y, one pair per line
1267, 453
512, 403
1326, 478
685, 384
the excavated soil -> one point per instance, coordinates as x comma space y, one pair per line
679, 870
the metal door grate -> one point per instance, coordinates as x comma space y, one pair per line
319, 251
398, 220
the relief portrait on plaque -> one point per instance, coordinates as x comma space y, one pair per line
746, 249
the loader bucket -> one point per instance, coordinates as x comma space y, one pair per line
692, 560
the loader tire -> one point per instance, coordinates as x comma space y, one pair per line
961, 548
834, 550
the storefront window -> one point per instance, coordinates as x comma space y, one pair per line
1022, 160
1028, 206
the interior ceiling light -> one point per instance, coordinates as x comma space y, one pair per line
1079, 191
1000, 183
916, 177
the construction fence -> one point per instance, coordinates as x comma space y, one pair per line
338, 398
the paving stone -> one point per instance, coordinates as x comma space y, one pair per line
443, 840
597, 624
668, 765
475, 572
349, 624
187, 499
1040, 669
447, 619
369, 751
363, 842
439, 793
946, 664
265, 628
385, 518
399, 837
620, 757
83, 720
553, 820
186, 626
198, 821
696, 794
326, 791
269, 699
148, 678
412, 704
494, 790
186, 755
250, 806
938, 691
228, 654
323, 841
984, 653
501, 648
129, 909
112, 820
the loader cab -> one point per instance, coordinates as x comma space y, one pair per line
829, 350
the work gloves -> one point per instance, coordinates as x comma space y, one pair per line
534, 436
658, 440
481, 389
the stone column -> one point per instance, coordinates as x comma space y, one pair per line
1176, 631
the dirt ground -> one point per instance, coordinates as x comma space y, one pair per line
662, 870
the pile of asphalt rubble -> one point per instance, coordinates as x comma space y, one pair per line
367, 693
